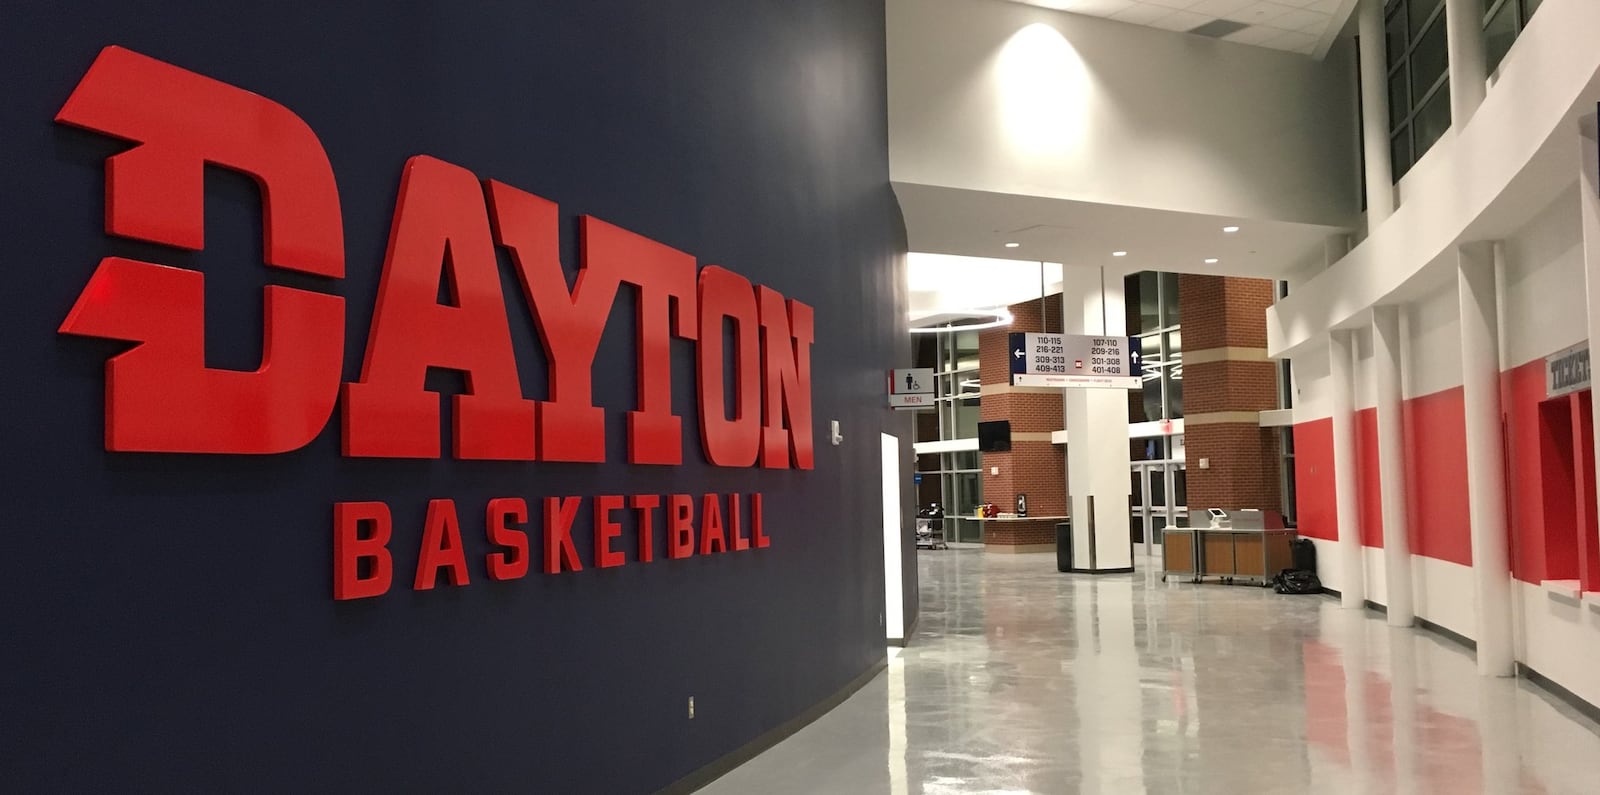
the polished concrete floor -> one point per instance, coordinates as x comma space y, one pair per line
1021, 680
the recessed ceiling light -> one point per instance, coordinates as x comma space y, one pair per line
1119, 253
1012, 245
1230, 229
1211, 260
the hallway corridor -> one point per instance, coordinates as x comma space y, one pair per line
1024, 680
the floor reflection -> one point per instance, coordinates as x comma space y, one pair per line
1021, 679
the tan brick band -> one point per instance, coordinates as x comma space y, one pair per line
1222, 418
1224, 354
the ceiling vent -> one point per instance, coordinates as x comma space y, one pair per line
1217, 28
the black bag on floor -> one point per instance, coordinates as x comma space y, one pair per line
1297, 581
1304, 554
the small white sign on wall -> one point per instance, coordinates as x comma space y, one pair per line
911, 388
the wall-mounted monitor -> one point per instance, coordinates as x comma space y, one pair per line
994, 436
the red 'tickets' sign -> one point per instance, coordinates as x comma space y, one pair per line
161, 397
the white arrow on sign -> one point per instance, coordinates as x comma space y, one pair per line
1017, 353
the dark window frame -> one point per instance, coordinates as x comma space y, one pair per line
1524, 13
1400, 65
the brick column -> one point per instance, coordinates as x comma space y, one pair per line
1033, 466
1227, 380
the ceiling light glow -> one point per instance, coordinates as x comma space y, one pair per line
1010, 244
1230, 229
985, 319
1211, 261
1119, 253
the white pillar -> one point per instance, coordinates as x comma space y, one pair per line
1097, 431
1375, 113
1589, 203
1386, 347
1486, 484
1469, 62
1341, 375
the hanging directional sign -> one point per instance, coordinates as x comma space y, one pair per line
1074, 360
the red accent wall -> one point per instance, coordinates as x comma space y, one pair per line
1436, 477
1436, 480
1368, 480
1315, 507
1522, 389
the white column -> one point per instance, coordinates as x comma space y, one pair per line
1486, 484
1386, 347
1341, 376
1589, 202
1097, 431
1375, 113
1469, 62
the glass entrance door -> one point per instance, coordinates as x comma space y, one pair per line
1159, 497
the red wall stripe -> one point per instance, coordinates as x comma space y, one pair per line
1521, 391
1368, 479
1315, 509
1436, 477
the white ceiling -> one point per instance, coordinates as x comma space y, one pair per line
1292, 25
968, 223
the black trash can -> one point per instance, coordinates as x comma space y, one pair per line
1064, 546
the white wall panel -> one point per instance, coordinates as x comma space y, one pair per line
1366, 387
1011, 98
1433, 350
1562, 641
1544, 297
1313, 386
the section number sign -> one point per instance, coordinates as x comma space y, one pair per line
1074, 360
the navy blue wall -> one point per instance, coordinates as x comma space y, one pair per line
167, 622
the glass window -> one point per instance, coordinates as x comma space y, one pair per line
1172, 379
1169, 299
1400, 152
1418, 61
967, 418
1433, 119
1499, 32
1180, 487
966, 350
1428, 60
1395, 34
1149, 301
1419, 11
1502, 24
1399, 97
1157, 298
1174, 388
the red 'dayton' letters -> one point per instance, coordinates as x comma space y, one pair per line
161, 396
